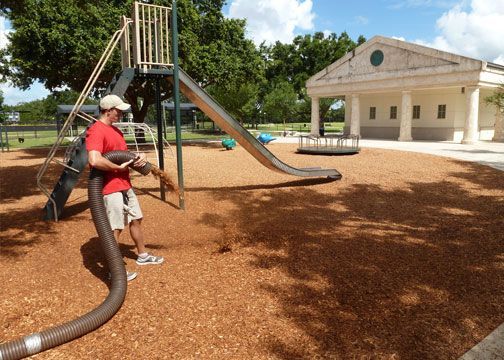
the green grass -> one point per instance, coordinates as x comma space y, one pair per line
299, 127
42, 139
185, 136
47, 138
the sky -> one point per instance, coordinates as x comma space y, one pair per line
473, 28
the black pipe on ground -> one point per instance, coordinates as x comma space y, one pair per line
47, 339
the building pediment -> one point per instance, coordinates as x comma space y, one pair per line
381, 59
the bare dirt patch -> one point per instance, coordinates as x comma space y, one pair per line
403, 258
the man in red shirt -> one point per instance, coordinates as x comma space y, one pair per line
121, 202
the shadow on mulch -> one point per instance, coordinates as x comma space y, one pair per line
17, 182
24, 227
483, 176
287, 184
76, 208
203, 143
154, 193
36, 153
93, 257
408, 272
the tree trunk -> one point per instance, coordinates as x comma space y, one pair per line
139, 114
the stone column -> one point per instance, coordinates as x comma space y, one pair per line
355, 116
315, 115
406, 116
499, 126
472, 109
348, 113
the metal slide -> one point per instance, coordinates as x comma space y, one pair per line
233, 128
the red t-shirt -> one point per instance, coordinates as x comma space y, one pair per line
105, 138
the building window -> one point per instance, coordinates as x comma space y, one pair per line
393, 112
372, 112
441, 111
416, 111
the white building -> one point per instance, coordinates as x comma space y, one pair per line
12, 117
398, 90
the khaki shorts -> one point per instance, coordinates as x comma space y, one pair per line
117, 213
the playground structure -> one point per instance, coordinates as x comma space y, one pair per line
228, 144
145, 52
265, 138
145, 45
328, 144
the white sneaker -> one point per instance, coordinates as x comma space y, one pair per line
130, 275
150, 260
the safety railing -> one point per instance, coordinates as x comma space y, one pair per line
146, 44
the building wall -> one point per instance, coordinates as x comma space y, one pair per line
428, 126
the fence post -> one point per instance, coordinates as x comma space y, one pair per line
7, 138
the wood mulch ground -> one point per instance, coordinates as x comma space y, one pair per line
401, 259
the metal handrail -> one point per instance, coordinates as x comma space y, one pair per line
152, 132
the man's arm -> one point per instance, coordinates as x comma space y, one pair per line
96, 160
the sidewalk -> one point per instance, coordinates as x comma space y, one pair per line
483, 152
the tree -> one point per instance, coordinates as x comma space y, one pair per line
281, 103
239, 100
58, 42
304, 57
307, 55
2, 115
497, 98
304, 110
44, 110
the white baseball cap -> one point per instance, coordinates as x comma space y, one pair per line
113, 101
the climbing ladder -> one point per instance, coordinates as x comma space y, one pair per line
145, 45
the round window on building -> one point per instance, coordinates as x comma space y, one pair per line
376, 57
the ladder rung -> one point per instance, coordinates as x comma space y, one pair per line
65, 165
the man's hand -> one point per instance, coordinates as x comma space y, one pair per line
124, 166
140, 160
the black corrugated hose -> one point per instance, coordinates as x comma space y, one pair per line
47, 339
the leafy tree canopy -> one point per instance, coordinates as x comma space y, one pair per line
2, 115
280, 104
497, 98
58, 42
44, 110
241, 100
305, 56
